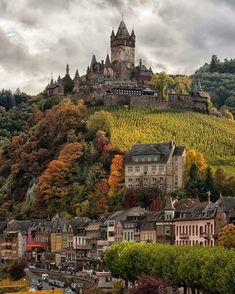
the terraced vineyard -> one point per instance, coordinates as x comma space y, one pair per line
208, 134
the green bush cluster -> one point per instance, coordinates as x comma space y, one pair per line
211, 270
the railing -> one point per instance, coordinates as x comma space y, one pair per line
205, 235
55, 291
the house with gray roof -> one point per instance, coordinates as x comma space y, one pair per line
158, 165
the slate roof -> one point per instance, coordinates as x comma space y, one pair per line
19, 225
122, 215
162, 149
107, 62
122, 31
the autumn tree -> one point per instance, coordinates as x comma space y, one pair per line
162, 82
101, 121
194, 157
226, 237
55, 181
182, 84
116, 174
148, 285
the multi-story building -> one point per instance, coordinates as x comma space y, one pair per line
195, 223
155, 165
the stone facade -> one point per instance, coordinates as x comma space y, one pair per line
155, 165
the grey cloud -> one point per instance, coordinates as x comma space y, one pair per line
172, 35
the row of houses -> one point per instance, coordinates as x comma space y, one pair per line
186, 221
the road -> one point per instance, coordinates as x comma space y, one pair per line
34, 277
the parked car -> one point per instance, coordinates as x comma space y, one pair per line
51, 282
45, 277
32, 267
73, 286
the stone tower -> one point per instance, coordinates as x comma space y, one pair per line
123, 46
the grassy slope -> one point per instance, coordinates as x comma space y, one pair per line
213, 136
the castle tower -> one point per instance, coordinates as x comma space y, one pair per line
123, 46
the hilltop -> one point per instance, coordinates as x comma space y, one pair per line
218, 79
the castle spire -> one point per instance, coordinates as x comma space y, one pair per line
93, 62
76, 75
107, 62
67, 70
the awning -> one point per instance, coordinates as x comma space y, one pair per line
33, 246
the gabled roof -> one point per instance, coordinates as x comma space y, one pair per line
122, 31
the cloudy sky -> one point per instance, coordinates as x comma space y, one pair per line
38, 37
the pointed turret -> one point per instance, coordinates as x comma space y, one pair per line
93, 61
132, 34
59, 79
112, 35
67, 70
122, 31
150, 69
88, 70
77, 76
51, 83
107, 62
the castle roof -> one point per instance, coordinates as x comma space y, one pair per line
122, 31
93, 61
107, 62
76, 75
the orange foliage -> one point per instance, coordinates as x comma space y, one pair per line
70, 153
101, 192
53, 181
116, 173
37, 115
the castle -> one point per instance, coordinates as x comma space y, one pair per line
119, 81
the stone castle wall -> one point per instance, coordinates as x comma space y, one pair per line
177, 102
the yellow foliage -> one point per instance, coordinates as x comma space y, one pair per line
197, 158
226, 237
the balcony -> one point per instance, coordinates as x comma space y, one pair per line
205, 235
184, 236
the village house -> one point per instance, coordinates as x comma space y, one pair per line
195, 223
155, 165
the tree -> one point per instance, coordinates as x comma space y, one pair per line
214, 63
148, 285
117, 288
197, 158
226, 237
101, 121
182, 84
116, 174
162, 82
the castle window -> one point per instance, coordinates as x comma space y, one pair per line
130, 180
154, 179
130, 169
154, 168
161, 179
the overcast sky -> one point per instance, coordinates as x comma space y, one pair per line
38, 37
